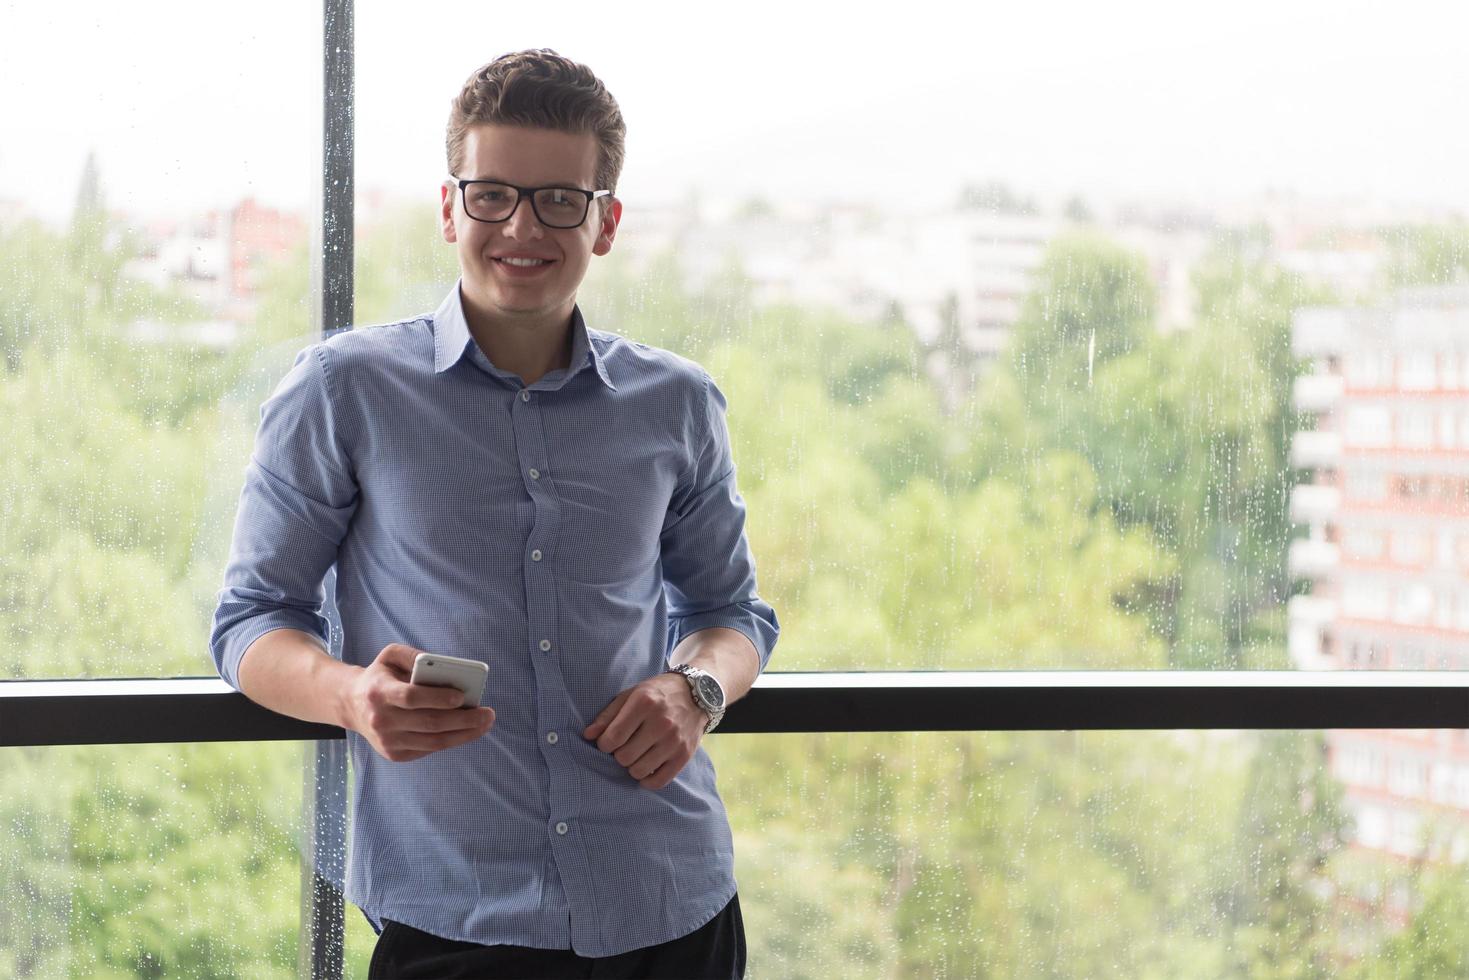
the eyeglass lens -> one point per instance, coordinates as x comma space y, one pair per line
556, 207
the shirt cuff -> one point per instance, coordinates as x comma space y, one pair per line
229, 649
754, 619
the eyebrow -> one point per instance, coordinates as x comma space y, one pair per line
576, 185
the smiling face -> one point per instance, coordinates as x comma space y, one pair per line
527, 157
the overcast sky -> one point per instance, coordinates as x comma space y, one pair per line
192, 104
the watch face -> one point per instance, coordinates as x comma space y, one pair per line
711, 691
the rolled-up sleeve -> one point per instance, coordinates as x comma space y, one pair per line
299, 497
708, 570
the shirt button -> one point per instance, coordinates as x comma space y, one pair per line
545, 644
561, 827
552, 737
524, 396
535, 555
535, 474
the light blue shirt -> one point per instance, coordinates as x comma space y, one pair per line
569, 534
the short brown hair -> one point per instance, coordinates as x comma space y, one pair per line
540, 88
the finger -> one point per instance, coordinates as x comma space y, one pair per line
604, 718
653, 760
398, 657
414, 742
664, 774
436, 696
434, 720
646, 739
622, 728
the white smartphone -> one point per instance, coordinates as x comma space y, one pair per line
437, 670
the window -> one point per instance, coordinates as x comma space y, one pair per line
1449, 362
1413, 605
1369, 369
1361, 600
1366, 484
153, 260
1416, 371
1415, 429
1363, 545
1410, 547
1368, 427
1006, 364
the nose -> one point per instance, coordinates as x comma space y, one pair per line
523, 225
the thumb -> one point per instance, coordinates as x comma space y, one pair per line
599, 724
399, 658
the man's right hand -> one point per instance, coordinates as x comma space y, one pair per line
404, 721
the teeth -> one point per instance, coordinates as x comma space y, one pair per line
523, 262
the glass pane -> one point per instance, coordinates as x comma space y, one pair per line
1221, 854
154, 225
1057, 854
1046, 348
151, 861
1019, 376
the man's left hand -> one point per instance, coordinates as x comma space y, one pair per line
652, 729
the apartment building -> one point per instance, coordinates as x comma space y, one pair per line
1386, 503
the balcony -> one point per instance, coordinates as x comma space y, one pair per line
1319, 331
1315, 505
1312, 559
1307, 617
1315, 450
1318, 392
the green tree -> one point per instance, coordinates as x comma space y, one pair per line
1093, 301
1436, 941
33, 301
1192, 444
1426, 255
1291, 823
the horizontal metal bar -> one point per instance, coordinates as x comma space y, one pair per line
205, 709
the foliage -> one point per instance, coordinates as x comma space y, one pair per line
1107, 498
1426, 255
1192, 445
1433, 945
1291, 823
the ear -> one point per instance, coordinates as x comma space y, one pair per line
447, 196
608, 231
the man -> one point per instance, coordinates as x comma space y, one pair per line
498, 481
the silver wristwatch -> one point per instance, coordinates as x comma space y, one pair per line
707, 691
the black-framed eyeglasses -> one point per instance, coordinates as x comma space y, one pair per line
555, 207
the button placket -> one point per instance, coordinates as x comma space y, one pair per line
552, 696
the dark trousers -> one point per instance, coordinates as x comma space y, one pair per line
716, 951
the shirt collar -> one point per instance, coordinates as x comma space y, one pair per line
452, 339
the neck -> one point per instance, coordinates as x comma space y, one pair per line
527, 345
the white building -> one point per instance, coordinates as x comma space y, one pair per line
1387, 550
